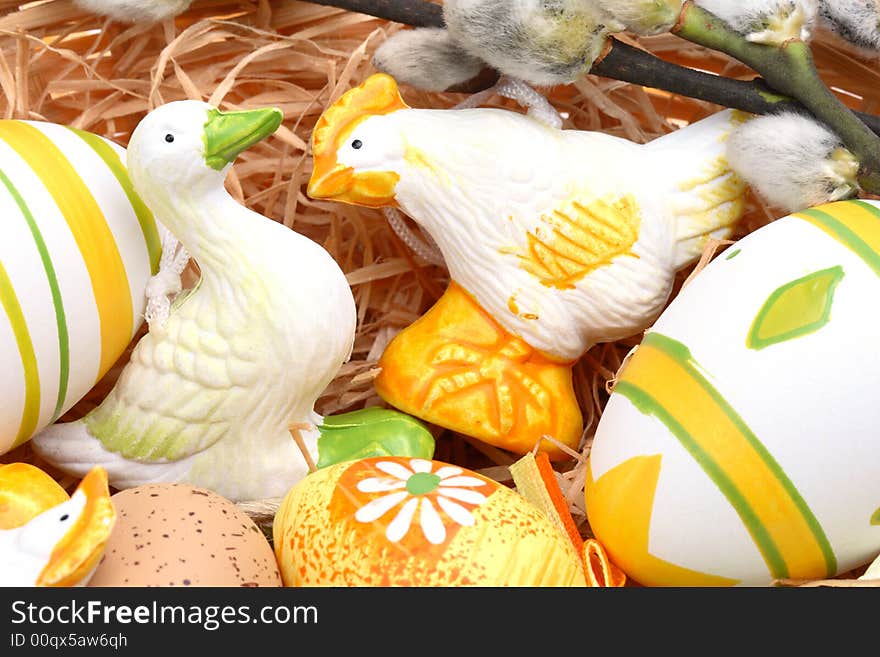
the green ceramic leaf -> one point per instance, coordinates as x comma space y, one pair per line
795, 309
875, 518
372, 432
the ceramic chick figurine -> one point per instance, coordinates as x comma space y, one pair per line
555, 240
207, 397
46, 537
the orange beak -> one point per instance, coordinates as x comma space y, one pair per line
373, 189
377, 96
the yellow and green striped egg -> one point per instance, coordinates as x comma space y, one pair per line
740, 445
77, 247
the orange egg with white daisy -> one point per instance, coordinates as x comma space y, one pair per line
393, 521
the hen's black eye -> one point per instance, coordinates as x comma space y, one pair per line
357, 144
169, 138
64, 517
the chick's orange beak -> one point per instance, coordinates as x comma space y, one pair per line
334, 180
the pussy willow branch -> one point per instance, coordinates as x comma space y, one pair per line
621, 62
789, 69
418, 13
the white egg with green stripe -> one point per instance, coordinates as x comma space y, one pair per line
77, 247
740, 445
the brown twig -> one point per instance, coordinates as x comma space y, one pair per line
628, 64
620, 62
790, 70
409, 12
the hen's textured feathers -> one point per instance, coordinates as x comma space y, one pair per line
577, 236
569, 238
706, 194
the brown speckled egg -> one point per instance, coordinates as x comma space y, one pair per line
179, 535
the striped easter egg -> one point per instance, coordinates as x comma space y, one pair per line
740, 445
77, 247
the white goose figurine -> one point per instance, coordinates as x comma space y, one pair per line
208, 397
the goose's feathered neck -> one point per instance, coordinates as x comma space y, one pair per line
220, 234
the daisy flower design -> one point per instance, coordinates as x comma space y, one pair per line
419, 494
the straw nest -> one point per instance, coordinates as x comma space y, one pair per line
62, 64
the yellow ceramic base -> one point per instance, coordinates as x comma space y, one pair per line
458, 368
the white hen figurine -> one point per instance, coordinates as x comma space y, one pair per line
555, 240
208, 397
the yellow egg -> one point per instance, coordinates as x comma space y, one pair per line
390, 521
77, 248
740, 443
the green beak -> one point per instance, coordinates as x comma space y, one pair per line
229, 133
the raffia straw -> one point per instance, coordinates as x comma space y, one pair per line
60, 63
296, 433
709, 251
262, 512
561, 446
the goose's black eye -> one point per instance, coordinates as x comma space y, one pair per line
169, 138
357, 144
64, 517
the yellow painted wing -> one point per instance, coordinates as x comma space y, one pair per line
576, 237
